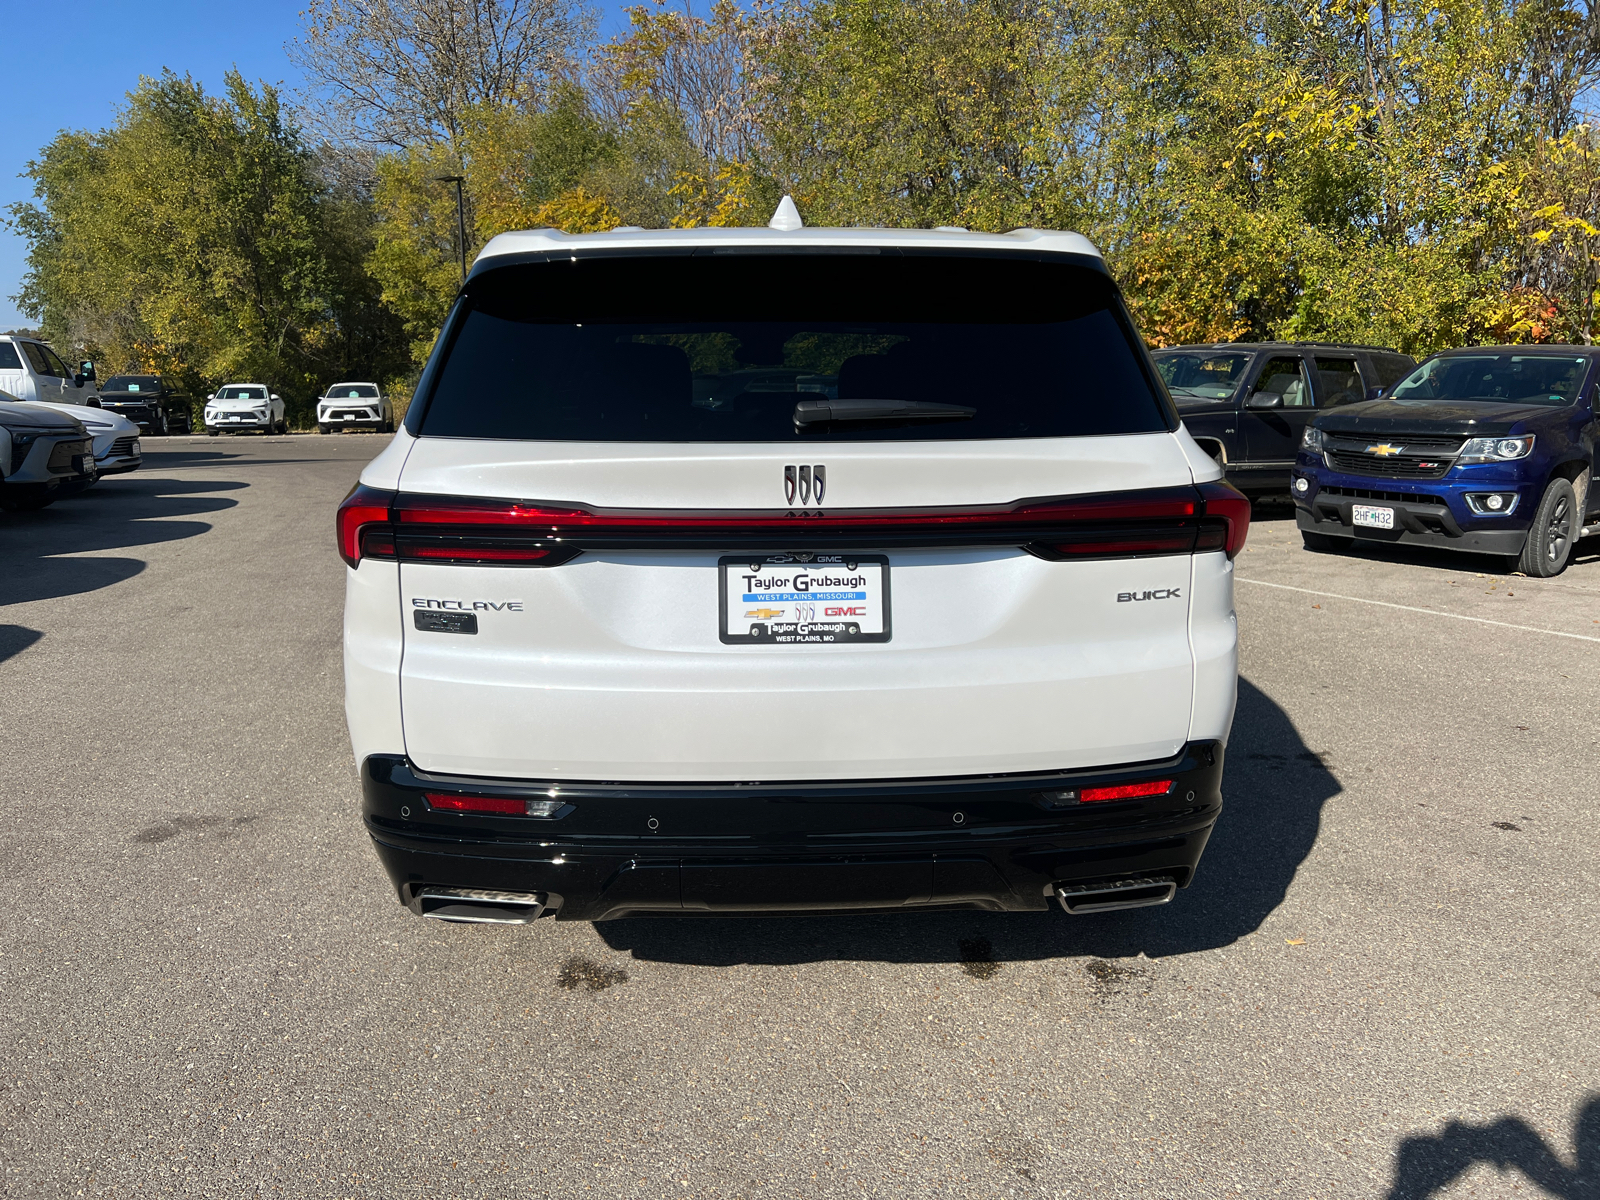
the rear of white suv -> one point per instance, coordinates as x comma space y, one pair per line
752, 570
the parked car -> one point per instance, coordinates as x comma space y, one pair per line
150, 401
681, 681
42, 447
1248, 403
1488, 449
240, 406
32, 371
354, 406
116, 441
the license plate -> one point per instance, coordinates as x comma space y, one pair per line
1371, 517
804, 599
85, 464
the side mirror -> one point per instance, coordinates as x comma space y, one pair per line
275, 396
87, 368
210, 397
1265, 400
1374, 392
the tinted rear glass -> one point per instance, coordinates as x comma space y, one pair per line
721, 348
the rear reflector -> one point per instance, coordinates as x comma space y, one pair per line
511, 805
1126, 791
479, 804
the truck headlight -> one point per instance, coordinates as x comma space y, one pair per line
1485, 450
1311, 440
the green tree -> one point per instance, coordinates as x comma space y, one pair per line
195, 237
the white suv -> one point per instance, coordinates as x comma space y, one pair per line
354, 406
239, 406
740, 570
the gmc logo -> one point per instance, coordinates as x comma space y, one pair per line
853, 611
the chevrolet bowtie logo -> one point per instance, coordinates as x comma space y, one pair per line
1384, 450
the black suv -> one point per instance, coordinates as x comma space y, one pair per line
1248, 403
149, 400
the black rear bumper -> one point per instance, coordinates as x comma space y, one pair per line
997, 842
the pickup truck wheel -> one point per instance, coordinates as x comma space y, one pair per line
1321, 543
1554, 529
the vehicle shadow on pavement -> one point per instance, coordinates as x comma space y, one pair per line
114, 515
1273, 787
14, 639
1426, 1164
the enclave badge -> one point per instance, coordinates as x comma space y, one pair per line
805, 480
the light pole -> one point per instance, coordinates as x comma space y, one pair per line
461, 218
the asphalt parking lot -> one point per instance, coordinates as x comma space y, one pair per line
1384, 982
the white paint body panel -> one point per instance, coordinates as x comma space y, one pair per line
750, 475
372, 648
613, 669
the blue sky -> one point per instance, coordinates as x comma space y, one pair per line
90, 55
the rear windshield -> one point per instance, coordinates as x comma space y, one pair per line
1192, 375
724, 347
1546, 379
242, 393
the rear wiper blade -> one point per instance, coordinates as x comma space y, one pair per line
817, 412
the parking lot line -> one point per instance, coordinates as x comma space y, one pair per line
1432, 612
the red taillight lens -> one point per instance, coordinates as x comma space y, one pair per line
478, 804
488, 554
1126, 791
362, 509
1226, 501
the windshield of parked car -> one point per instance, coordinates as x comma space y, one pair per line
132, 383
242, 393
352, 391
723, 347
1200, 376
1548, 379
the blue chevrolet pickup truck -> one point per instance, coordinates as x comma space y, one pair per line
1488, 449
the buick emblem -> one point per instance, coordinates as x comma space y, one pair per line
806, 481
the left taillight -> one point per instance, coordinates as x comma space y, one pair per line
1230, 509
363, 525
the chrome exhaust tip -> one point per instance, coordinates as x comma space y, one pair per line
478, 906
1108, 897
